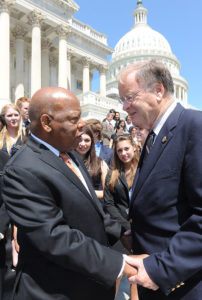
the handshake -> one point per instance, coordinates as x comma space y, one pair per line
134, 267
135, 271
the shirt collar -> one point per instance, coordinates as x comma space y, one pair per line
163, 118
51, 148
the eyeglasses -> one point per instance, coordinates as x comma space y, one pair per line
129, 99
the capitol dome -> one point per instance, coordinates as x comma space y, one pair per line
142, 38
143, 43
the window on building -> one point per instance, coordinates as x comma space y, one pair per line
79, 84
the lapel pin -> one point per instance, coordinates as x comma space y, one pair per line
164, 139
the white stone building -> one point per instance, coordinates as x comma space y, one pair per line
42, 44
143, 43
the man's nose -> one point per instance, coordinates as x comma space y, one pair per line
81, 123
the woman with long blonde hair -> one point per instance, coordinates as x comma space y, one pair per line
119, 180
11, 134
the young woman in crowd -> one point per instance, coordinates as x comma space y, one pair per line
96, 167
117, 119
133, 133
119, 180
11, 134
118, 188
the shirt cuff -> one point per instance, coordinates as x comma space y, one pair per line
122, 268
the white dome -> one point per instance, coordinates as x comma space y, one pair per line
143, 43
142, 37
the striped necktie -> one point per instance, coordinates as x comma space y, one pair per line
147, 147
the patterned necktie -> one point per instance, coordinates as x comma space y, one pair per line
68, 161
147, 147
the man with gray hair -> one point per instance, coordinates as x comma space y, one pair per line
166, 205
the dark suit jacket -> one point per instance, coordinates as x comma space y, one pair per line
4, 157
116, 203
166, 208
62, 231
4, 222
106, 154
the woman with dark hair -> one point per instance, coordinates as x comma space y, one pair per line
120, 130
96, 167
122, 124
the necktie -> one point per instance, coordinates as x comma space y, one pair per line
147, 147
68, 161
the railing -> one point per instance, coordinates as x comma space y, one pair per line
86, 29
100, 101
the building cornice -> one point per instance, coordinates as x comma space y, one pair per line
68, 4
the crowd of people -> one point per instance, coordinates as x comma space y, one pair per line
72, 189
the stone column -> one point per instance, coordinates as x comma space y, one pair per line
35, 19
102, 69
69, 79
19, 33
45, 70
62, 32
86, 75
53, 69
27, 77
5, 51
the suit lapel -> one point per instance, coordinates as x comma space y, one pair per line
164, 137
54, 161
123, 180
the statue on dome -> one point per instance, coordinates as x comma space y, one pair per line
139, 2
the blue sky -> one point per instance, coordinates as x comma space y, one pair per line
179, 21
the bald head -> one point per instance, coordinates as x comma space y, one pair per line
46, 101
55, 117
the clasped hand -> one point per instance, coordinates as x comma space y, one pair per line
136, 273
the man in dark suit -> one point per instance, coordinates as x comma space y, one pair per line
4, 222
166, 205
63, 232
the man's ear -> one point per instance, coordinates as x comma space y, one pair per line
46, 122
159, 90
